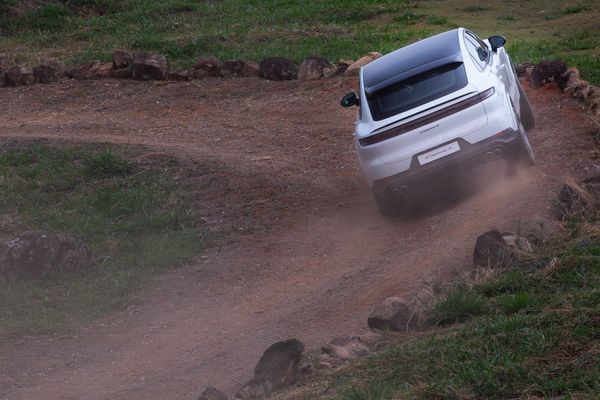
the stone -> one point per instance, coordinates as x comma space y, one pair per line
239, 68
571, 201
212, 393
354, 69
547, 72
123, 73
327, 362
392, 314
278, 69
254, 389
2, 76
314, 68
90, 70
179, 75
34, 255
279, 363
122, 59
250, 70
149, 66
48, 71
569, 78
343, 65
492, 251
276, 369
524, 69
518, 244
18, 76
207, 66
345, 349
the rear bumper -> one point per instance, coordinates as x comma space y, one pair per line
501, 145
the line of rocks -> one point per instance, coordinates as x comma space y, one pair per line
567, 79
145, 66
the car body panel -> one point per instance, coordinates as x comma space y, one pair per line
390, 147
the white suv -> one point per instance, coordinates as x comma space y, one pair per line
436, 106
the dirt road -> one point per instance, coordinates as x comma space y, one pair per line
310, 255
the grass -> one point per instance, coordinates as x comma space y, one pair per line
78, 30
137, 222
525, 333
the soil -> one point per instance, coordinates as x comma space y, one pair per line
307, 254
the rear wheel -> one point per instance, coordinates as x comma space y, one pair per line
525, 109
523, 154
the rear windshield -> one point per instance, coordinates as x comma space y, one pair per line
417, 90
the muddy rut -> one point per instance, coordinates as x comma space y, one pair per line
307, 254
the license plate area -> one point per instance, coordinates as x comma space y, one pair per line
438, 153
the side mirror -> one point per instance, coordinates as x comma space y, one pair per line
349, 100
496, 42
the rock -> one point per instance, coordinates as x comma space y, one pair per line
569, 78
313, 68
571, 201
179, 75
90, 70
492, 251
343, 65
122, 59
122, 64
392, 314
254, 389
249, 70
207, 66
33, 255
345, 349
547, 72
239, 68
328, 362
18, 76
213, 393
354, 69
149, 66
278, 69
518, 244
2, 76
123, 73
279, 363
48, 71
524, 69
276, 369
592, 174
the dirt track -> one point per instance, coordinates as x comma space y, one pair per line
311, 255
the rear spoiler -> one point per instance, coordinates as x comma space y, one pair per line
454, 58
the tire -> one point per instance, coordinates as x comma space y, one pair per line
525, 111
388, 206
524, 152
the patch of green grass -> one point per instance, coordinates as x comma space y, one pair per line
526, 334
79, 30
574, 9
435, 20
137, 222
409, 18
457, 304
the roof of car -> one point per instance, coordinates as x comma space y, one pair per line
421, 56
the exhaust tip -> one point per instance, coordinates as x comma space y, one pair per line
498, 152
400, 190
489, 155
